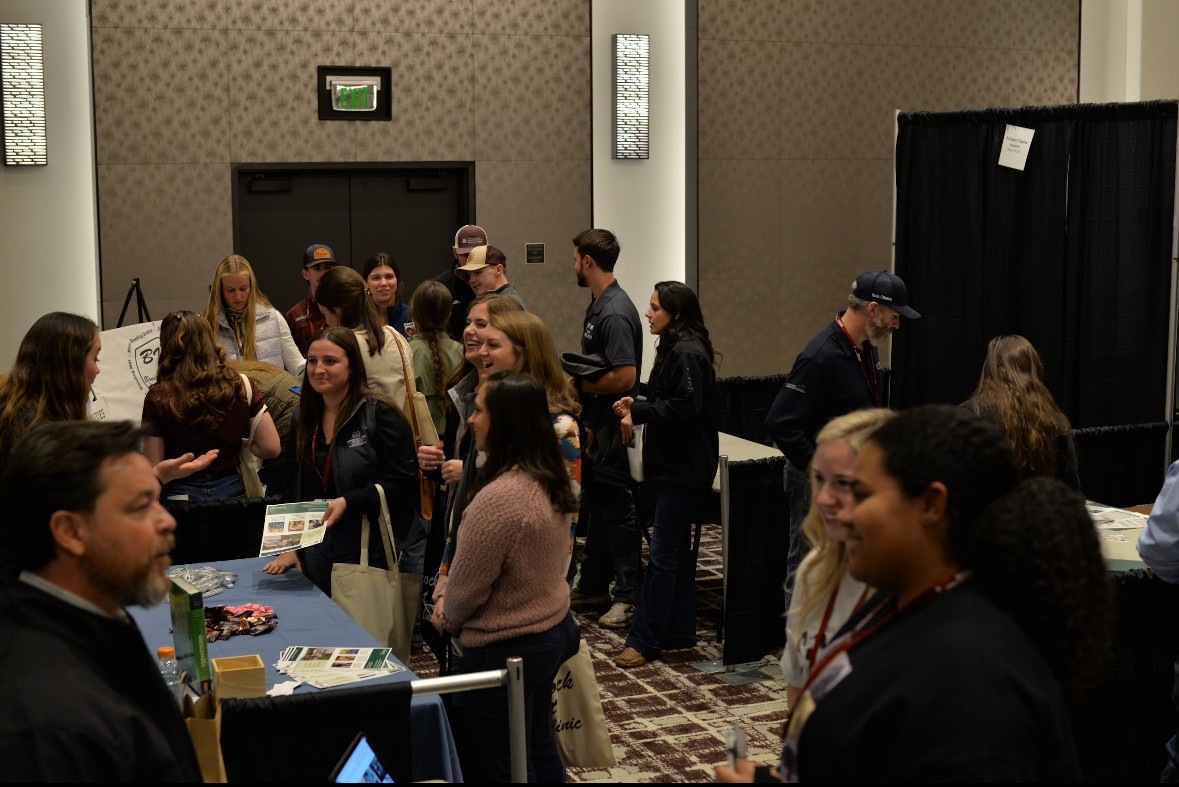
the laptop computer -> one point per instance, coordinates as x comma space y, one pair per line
360, 764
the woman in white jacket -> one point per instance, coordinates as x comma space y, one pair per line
246, 325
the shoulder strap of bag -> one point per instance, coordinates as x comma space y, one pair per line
249, 397
409, 392
387, 539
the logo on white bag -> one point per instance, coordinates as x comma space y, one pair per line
357, 439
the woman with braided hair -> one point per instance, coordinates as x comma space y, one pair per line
435, 354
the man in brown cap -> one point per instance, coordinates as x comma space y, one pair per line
304, 318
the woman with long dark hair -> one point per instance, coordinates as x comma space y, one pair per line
346, 300
680, 456
1011, 393
384, 281
244, 322
199, 404
993, 616
507, 595
347, 440
56, 364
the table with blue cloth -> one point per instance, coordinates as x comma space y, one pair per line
307, 617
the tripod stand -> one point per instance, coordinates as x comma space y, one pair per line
139, 302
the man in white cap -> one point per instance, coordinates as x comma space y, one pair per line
486, 268
837, 372
468, 237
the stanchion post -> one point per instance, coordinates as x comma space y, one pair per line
516, 720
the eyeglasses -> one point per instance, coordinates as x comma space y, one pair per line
321, 266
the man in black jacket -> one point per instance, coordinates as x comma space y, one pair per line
468, 237
83, 700
837, 372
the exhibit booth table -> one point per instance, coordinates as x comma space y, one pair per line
293, 738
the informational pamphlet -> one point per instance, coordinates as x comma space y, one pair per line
292, 526
324, 667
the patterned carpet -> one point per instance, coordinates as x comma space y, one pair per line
668, 718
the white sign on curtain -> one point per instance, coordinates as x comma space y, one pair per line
126, 369
1016, 143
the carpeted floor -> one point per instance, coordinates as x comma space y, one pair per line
667, 719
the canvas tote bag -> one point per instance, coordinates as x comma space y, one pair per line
417, 410
579, 725
383, 601
248, 464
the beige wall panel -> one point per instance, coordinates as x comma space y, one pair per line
273, 109
740, 102
535, 202
432, 99
809, 302
819, 223
532, 18
874, 198
453, 17
751, 20
822, 98
562, 307
743, 324
534, 99
1040, 78
335, 15
202, 14
740, 219
160, 96
167, 225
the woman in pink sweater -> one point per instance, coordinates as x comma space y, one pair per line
507, 594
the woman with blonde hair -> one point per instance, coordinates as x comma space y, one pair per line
1011, 394
198, 404
245, 323
825, 594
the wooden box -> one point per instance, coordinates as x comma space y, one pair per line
239, 676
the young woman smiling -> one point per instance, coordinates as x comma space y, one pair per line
347, 440
384, 282
993, 613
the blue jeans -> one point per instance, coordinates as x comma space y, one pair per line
613, 542
484, 712
220, 489
798, 489
666, 615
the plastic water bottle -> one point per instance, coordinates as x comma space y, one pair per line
170, 670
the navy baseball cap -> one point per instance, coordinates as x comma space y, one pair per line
887, 289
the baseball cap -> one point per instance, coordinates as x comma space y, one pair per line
476, 259
317, 253
468, 237
884, 288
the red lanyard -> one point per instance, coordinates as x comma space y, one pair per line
868, 626
863, 367
327, 466
810, 657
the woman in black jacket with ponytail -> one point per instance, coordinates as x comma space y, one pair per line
680, 455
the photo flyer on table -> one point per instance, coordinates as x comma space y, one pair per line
324, 667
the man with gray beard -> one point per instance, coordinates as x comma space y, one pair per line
83, 700
837, 372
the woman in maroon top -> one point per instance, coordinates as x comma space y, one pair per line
198, 404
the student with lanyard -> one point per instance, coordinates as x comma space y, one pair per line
826, 594
993, 614
347, 440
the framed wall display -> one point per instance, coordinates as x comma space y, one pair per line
355, 92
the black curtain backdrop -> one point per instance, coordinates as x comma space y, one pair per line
1073, 252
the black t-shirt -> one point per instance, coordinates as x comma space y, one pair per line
611, 328
950, 691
